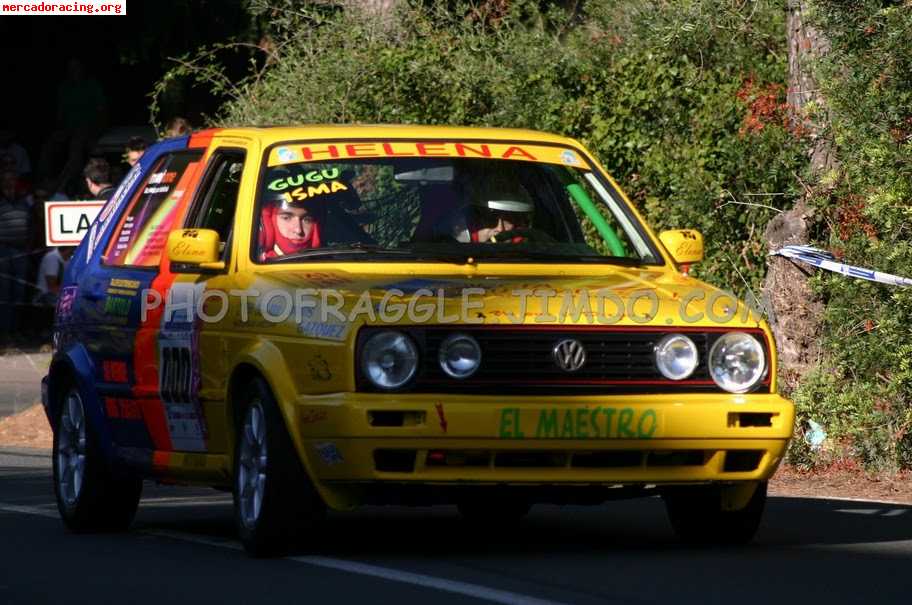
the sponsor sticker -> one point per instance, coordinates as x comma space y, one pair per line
65, 302
596, 422
323, 330
327, 152
329, 453
569, 158
111, 208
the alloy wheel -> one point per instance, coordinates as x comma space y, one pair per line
71, 449
251, 477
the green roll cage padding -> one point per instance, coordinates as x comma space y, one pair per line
615, 245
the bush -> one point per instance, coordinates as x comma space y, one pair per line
862, 389
669, 96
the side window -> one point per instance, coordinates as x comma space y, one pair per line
140, 238
214, 208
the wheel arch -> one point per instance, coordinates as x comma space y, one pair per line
264, 360
60, 374
261, 360
75, 365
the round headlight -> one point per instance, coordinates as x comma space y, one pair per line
460, 355
737, 362
389, 359
676, 356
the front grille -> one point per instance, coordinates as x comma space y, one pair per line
618, 356
618, 360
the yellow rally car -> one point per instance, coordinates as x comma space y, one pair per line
329, 316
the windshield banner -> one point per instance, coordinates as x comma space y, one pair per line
293, 153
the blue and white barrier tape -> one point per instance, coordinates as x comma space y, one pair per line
825, 260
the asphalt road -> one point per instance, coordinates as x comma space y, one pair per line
182, 549
20, 380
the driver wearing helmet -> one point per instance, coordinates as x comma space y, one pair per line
499, 208
288, 226
493, 221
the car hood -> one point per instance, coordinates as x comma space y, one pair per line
620, 296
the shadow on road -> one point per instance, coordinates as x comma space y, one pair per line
638, 525
631, 525
623, 552
808, 550
803, 521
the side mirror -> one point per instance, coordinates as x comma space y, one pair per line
685, 245
195, 247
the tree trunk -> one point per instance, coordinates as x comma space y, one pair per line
795, 313
377, 11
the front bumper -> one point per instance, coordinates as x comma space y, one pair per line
607, 440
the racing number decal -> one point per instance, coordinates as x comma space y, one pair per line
179, 371
176, 371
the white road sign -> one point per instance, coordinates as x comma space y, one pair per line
67, 222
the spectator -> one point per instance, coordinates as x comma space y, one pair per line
178, 127
8, 164
14, 233
97, 175
50, 274
9, 147
136, 147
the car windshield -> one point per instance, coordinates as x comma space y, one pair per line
441, 201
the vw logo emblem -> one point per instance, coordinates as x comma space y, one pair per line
569, 355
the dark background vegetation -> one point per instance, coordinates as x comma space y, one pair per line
125, 54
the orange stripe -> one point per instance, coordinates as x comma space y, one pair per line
145, 349
203, 137
160, 461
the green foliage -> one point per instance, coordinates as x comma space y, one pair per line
861, 392
660, 91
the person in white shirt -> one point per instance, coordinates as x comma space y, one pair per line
50, 274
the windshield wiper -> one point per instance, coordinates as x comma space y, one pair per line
361, 248
565, 258
349, 249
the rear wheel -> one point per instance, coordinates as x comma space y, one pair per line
274, 501
698, 516
89, 496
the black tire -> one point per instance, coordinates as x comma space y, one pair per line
289, 505
101, 501
495, 509
697, 516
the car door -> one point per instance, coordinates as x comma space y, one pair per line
188, 354
112, 294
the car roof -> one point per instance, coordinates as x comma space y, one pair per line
335, 132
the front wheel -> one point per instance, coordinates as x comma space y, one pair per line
274, 501
89, 497
698, 516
